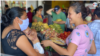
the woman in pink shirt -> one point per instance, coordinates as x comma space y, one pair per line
80, 42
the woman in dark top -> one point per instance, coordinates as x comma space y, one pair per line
14, 41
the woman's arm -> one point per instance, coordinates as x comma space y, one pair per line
49, 11
61, 22
69, 51
92, 49
26, 47
62, 51
72, 46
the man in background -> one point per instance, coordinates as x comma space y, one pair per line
6, 8
64, 10
56, 13
95, 28
29, 14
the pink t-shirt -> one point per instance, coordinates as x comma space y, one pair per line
82, 36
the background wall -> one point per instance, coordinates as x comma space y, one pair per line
61, 3
35, 4
29, 3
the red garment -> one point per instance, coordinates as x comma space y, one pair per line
92, 10
29, 15
45, 20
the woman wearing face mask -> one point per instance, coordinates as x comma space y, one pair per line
89, 17
80, 41
14, 41
36, 17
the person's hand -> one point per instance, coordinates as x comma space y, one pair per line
52, 9
46, 43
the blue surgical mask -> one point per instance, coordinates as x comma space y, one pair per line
24, 25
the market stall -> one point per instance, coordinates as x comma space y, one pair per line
51, 32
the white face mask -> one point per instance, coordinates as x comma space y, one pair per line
24, 25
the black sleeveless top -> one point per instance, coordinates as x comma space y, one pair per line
9, 43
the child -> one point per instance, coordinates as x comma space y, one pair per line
33, 36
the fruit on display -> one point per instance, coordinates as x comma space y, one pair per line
52, 31
51, 26
49, 33
56, 27
39, 25
43, 31
59, 20
55, 34
45, 25
64, 35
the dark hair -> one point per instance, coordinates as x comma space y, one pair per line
79, 8
37, 9
6, 6
88, 11
64, 9
98, 4
97, 12
40, 7
29, 8
8, 18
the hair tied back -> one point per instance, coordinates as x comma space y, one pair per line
6, 19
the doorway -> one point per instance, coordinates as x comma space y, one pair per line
47, 6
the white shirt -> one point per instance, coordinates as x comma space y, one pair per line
95, 28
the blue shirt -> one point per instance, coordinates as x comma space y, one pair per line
95, 28
68, 23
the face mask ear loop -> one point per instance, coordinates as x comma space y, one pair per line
21, 20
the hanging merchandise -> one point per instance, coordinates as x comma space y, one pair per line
13, 2
63, 6
32, 8
17, 2
94, 4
